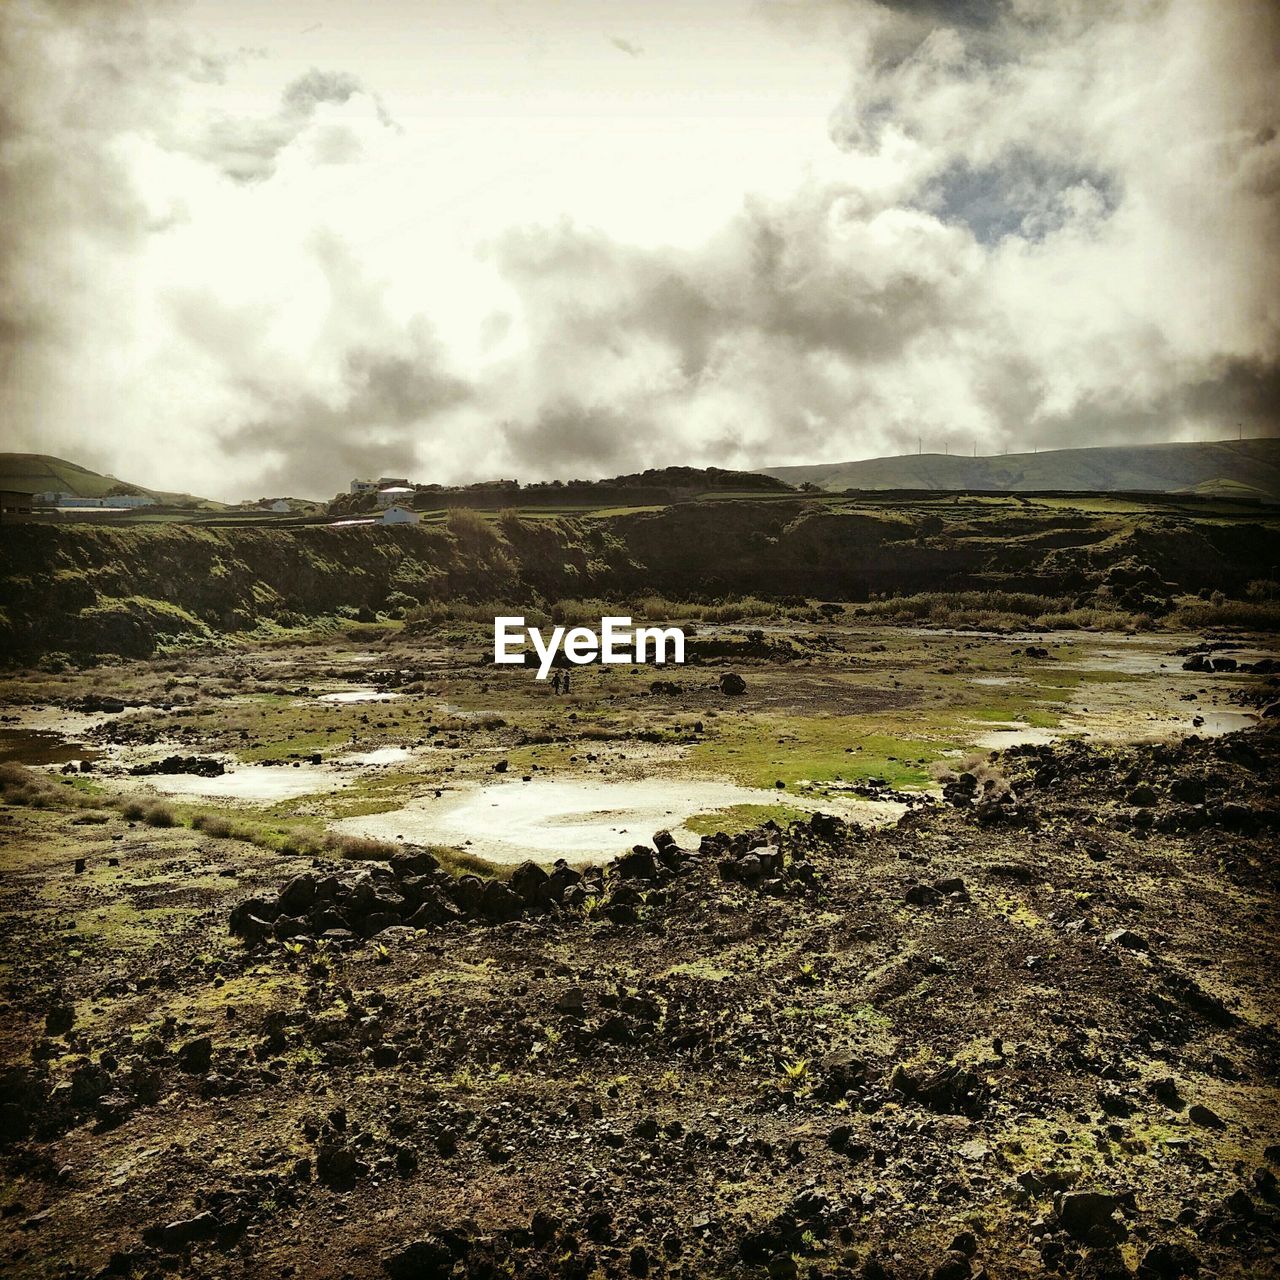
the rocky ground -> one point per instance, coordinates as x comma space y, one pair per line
1029, 1031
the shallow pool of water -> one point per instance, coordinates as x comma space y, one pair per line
1016, 736
36, 746
582, 820
379, 756
359, 695
267, 783
1217, 721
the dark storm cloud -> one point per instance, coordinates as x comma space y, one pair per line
999, 294
65, 192
247, 150
379, 413
574, 440
379, 421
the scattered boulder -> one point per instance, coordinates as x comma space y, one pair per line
1089, 1215
952, 1089
196, 1055
426, 1258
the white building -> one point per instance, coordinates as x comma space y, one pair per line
394, 494
280, 506
363, 486
400, 515
116, 501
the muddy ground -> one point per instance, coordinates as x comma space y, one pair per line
1029, 1029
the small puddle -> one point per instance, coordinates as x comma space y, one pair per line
37, 746
380, 756
1016, 736
1000, 681
256, 782
1214, 723
581, 820
359, 695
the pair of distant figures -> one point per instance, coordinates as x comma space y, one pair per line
560, 682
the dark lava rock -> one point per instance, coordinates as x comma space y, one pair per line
336, 1164
298, 894
955, 1266
196, 1055
1168, 1261
1084, 1213
60, 1018
639, 864
499, 903
201, 766
1206, 1118
426, 1259
531, 883
1128, 939
1188, 790
952, 1090
732, 684
184, 1231
1166, 1090
416, 863
922, 895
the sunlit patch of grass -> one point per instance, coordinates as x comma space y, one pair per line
760, 751
744, 817
1018, 912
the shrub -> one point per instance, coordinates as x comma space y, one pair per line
362, 847
213, 824
159, 815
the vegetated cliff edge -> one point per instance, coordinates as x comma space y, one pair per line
94, 589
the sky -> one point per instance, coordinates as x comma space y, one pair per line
259, 249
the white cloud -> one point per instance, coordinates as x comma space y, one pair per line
1033, 223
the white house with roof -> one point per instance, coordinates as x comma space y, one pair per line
400, 515
395, 495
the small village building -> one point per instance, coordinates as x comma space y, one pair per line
394, 495
363, 486
13, 502
400, 515
112, 502
280, 506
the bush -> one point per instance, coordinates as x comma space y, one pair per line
1220, 612
159, 815
362, 847
20, 785
213, 824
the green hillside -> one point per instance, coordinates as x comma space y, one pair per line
1236, 468
41, 472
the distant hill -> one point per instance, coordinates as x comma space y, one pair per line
1244, 468
41, 473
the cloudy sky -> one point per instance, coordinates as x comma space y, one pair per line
258, 248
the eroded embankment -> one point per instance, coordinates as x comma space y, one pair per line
86, 589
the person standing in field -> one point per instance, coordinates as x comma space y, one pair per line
555, 682
566, 682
